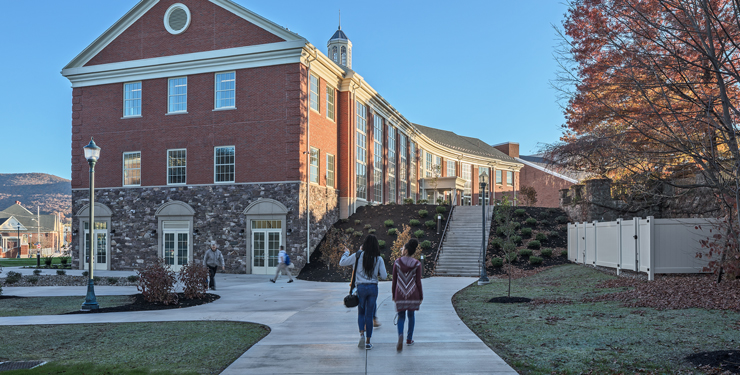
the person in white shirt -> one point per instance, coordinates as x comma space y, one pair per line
282, 266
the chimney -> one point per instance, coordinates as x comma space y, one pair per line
18, 202
508, 148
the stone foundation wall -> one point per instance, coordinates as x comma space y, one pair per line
218, 216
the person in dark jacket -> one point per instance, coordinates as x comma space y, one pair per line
213, 259
407, 291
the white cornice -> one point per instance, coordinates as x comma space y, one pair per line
548, 171
187, 64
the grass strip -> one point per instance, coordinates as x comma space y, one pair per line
206, 347
26, 306
20, 262
573, 337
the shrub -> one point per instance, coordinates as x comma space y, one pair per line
349, 230
419, 233
526, 232
554, 234
344, 220
500, 231
12, 277
426, 244
381, 244
357, 233
531, 221
497, 262
370, 231
535, 260
368, 226
414, 222
517, 240
64, 260
516, 225
157, 283
511, 257
96, 279
431, 224
193, 277
32, 279
37, 272
441, 209
552, 211
112, 280
423, 213
541, 237
48, 261
391, 203
85, 274
520, 212
408, 201
358, 222
61, 272
133, 278
534, 244
421, 201
525, 253
392, 231
561, 220
332, 249
546, 252
564, 253
388, 223
544, 223
542, 214
497, 243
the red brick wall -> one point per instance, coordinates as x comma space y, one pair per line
211, 28
324, 133
504, 188
265, 128
547, 186
346, 164
511, 149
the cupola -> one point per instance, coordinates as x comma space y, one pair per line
339, 48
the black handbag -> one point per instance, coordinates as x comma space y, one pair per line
352, 300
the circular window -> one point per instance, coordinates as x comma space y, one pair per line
177, 19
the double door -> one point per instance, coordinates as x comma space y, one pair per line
176, 244
100, 253
265, 249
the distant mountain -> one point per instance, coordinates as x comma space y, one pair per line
51, 193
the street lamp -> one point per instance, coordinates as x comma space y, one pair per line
483, 276
18, 234
92, 153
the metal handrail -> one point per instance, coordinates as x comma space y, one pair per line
442, 239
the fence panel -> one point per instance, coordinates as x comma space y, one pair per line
607, 244
572, 242
629, 246
677, 243
645, 240
581, 234
590, 243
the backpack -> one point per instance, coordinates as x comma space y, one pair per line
287, 259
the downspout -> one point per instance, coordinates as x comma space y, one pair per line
352, 149
308, 160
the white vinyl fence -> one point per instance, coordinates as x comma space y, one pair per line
641, 245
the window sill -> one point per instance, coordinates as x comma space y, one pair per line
128, 117
224, 109
176, 113
183, 184
132, 186
223, 182
315, 110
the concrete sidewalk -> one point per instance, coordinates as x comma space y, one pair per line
312, 331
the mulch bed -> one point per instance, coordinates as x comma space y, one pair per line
720, 361
509, 300
375, 216
138, 303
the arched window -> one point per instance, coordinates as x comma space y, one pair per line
334, 54
344, 56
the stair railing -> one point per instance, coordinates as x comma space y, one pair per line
442, 239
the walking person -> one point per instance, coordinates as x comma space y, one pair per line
406, 289
370, 267
213, 259
283, 263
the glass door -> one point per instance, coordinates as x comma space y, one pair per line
100, 233
266, 241
176, 240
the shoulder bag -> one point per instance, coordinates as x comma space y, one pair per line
352, 300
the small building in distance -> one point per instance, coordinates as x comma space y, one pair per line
20, 228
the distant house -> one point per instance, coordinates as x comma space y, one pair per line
20, 227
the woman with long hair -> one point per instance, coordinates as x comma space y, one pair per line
370, 268
406, 289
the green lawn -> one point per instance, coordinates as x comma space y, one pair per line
129, 348
54, 305
20, 262
589, 337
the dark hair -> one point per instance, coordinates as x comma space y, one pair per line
411, 246
371, 251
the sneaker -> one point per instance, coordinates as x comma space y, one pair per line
272, 281
290, 281
362, 342
399, 346
409, 342
376, 323
368, 346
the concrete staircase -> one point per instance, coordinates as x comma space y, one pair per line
461, 248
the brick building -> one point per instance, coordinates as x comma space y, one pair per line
23, 233
218, 125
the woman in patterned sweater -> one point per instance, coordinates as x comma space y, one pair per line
407, 292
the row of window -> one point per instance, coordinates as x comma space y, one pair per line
314, 167
177, 94
223, 166
315, 101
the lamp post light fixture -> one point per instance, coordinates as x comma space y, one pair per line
92, 153
483, 276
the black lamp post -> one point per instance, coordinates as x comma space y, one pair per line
483, 276
92, 153
18, 233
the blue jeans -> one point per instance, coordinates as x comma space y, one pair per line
402, 320
368, 294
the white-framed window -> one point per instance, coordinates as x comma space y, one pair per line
510, 178
361, 165
451, 168
132, 99
132, 168
330, 102
224, 164
314, 170
330, 170
467, 175
412, 170
177, 96
402, 166
314, 94
176, 166
391, 164
344, 56
378, 158
225, 91
499, 178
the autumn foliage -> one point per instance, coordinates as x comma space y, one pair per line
157, 283
193, 277
333, 248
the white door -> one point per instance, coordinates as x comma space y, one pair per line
100, 234
176, 243
266, 241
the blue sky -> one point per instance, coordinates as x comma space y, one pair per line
479, 68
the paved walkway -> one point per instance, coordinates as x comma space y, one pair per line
312, 332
